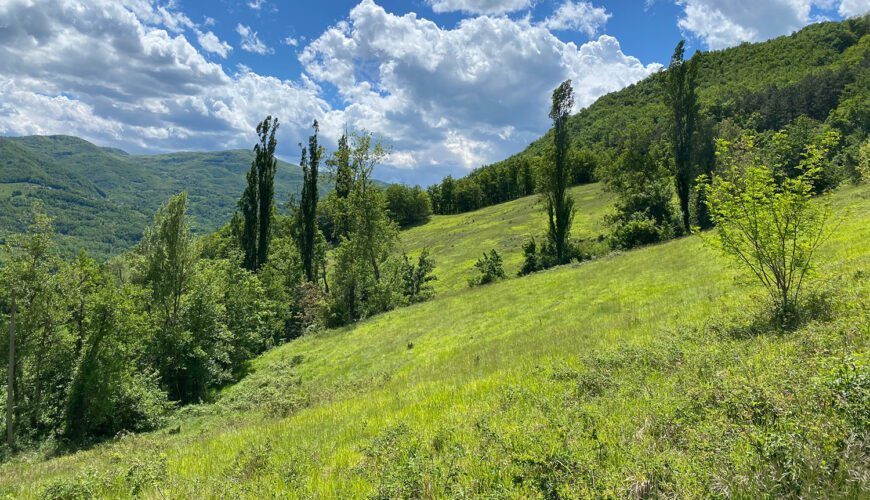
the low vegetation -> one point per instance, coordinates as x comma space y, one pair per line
309, 355
651, 372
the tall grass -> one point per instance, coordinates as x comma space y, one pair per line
650, 373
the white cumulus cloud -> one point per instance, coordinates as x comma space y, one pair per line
579, 16
849, 8
116, 76
724, 23
251, 42
451, 94
211, 43
479, 6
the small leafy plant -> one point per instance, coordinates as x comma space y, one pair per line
770, 226
490, 267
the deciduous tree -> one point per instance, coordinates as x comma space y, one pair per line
258, 200
556, 176
682, 103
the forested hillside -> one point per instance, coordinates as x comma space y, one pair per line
102, 198
692, 325
821, 72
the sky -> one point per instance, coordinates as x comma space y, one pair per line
450, 85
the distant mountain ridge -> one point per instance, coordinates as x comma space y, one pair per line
102, 198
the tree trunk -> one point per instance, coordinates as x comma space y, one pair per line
683, 195
374, 262
10, 388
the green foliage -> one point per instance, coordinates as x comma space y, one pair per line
407, 205
343, 173
556, 176
169, 254
643, 211
101, 199
258, 200
508, 180
416, 278
772, 228
785, 150
864, 165
490, 269
108, 393
79, 340
530, 258
681, 100
306, 214
360, 287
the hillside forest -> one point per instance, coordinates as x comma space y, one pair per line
127, 329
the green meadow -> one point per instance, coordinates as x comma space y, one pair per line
457, 241
650, 373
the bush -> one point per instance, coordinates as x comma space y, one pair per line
490, 267
639, 229
531, 262
770, 227
308, 308
416, 278
643, 212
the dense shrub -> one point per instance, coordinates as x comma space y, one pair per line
643, 210
490, 268
416, 278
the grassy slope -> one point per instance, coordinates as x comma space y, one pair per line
457, 241
635, 374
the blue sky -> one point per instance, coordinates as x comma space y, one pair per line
449, 84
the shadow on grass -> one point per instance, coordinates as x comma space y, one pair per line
763, 318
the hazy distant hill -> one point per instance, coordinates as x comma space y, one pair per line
102, 198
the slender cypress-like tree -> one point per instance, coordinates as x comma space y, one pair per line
343, 173
266, 169
308, 205
556, 175
682, 103
258, 200
249, 228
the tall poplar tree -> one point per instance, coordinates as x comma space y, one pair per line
308, 206
258, 200
557, 174
682, 103
343, 173
169, 251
